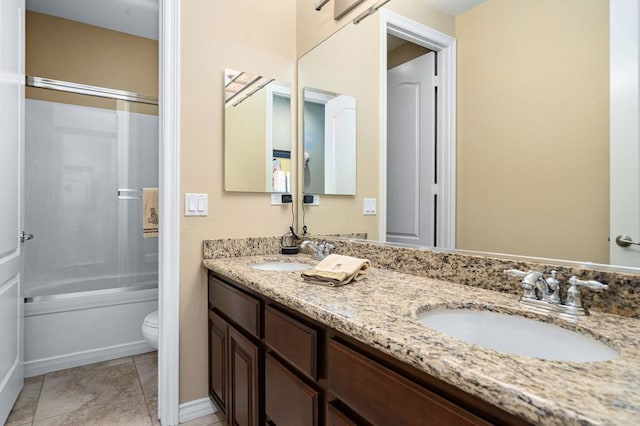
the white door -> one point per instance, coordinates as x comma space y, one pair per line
11, 172
340, 145
625, 132
411, 182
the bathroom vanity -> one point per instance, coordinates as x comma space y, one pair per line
285, 352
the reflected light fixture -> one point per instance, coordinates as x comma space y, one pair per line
321, 4
370, 11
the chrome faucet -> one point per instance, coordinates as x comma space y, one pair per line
320, 250
543, 293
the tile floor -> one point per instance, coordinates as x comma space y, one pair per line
123, 391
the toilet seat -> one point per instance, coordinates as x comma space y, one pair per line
151, 320
150, 329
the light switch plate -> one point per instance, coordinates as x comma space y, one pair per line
196, 204
369, 207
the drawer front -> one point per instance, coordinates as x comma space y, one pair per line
241, 308
383, 397
292, 340
288, 400
335, 417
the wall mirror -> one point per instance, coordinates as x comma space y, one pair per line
329, 121
257, 133
532, 151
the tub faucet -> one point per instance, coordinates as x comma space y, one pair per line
320, 250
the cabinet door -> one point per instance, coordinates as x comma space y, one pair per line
218, 361
243, 380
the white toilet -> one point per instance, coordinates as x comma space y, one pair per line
150, 329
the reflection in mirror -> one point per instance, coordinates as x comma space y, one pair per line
532, 146
329, 121
257, 133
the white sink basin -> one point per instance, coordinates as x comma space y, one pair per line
517, 335
281, 266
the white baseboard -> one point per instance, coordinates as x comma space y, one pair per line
194, 409
76, 359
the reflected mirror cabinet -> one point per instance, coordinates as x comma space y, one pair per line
257, 133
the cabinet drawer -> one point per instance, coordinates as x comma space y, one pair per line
335, 417
384, 397
241, 308
288, 400
292, 340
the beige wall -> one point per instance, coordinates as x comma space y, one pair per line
324, 68
239, 34
348, 63
316, 26
70, 51
245, 153
533, 128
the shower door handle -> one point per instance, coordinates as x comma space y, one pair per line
25, 237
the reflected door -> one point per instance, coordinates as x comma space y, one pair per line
625, 133
11, 190
340, 149
411, 189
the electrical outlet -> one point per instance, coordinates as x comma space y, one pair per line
311, 200
280, 199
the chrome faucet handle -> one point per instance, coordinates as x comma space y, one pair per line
574, 296
592, 284
327, 248
515, 272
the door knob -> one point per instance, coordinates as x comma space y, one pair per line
625, 241
25, 237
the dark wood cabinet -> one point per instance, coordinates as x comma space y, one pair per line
243, 381
218, 347
289, 401
292, 340
269, 364
384, 397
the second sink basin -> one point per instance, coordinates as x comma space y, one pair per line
281, 266
517, 335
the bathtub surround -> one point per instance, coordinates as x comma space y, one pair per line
486, 272
57, 335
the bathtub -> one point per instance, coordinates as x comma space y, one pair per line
65, 328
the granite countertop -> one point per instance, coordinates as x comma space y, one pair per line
381, 311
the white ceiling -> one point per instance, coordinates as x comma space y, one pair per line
137, 17
453, 7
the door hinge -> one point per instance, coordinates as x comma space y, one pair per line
436, 81
435, 189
